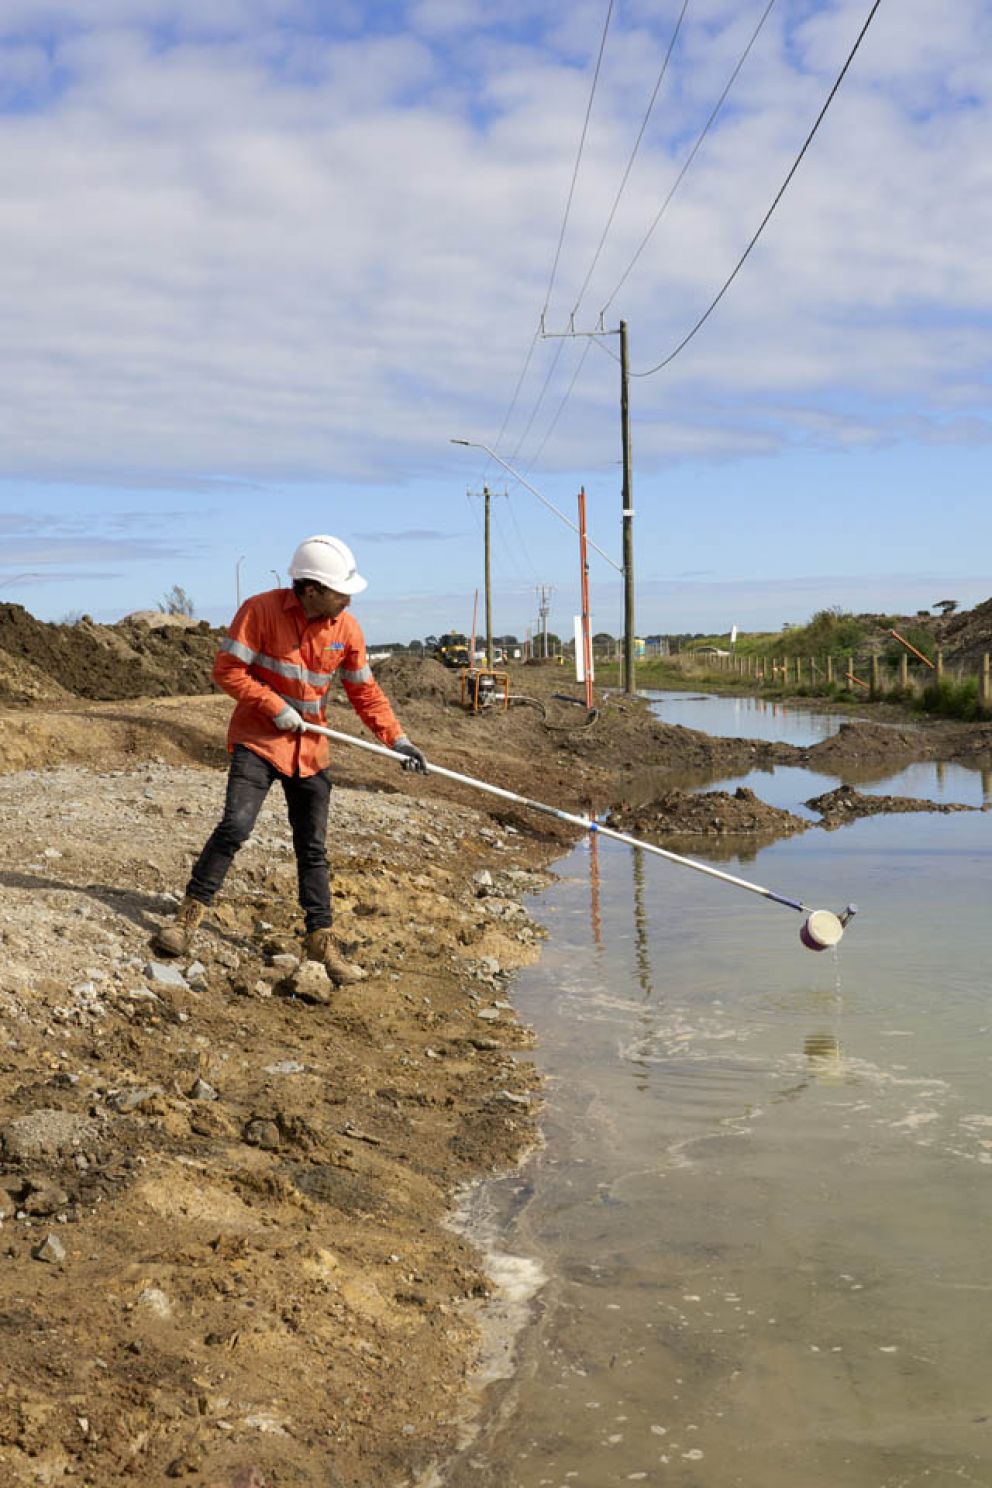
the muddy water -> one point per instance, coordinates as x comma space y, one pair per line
765, 1200
746, 717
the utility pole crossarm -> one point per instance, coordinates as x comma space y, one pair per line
627, 568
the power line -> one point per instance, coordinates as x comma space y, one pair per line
524, 551
778, 197
540, 399
561, 236
609, 223
568, 393
516, 393
633, 156
578, 158
691, 156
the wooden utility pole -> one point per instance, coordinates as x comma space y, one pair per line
544, 609
489, 590
627, 565
586, 623
487, 501
629, 684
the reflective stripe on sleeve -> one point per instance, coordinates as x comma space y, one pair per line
292, 670
364, 674
239, 649
312, 707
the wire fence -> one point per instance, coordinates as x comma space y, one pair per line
958, 688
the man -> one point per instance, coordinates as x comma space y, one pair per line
278, 661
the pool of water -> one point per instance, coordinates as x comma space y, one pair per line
764, 1202
788, 786
745, 717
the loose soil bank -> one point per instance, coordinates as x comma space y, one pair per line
239, 1199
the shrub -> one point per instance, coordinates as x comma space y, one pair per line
953, 698
177, 602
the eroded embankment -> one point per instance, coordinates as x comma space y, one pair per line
223, 1207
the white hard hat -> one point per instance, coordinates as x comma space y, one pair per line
330, 562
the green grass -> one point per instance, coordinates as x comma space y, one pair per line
950, 698
953, 698
832, 632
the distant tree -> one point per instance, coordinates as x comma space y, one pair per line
430, 642
923, 614
946, 606
177, 602
73, 617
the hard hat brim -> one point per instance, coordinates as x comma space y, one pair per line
353, 585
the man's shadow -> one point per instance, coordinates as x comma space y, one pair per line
142, 909
133, 905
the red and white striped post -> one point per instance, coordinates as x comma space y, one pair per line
584, 579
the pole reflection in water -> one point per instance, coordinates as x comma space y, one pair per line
987, 788
643, 954
595, 909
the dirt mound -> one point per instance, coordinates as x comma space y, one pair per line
160, 620
108, 662
966, 637
868, 743
837, 807
706, 814
408, 679
20, 682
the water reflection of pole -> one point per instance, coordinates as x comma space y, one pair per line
641, 925
987, 788
595, 912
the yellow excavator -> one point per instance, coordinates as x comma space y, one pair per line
452, 649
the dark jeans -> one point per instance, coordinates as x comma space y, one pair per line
307, 799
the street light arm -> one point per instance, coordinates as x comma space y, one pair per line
474, 444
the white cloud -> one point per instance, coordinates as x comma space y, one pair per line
267, 249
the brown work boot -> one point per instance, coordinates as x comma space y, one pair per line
176, 938
320, 945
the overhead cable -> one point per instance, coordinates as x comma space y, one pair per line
778, 197
516, 394
561, 235
551, 427
540, 399
633, 156
691, 156
578, 158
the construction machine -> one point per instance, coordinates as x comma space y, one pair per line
452, 649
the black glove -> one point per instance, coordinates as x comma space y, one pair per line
413, 758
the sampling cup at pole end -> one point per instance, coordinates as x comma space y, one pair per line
821, 930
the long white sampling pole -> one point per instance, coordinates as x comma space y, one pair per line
584, 822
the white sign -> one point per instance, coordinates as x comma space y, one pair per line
580, 671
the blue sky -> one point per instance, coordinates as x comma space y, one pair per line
263, 259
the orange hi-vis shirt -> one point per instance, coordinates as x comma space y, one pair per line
274, 655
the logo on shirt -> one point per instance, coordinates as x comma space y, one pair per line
335, 646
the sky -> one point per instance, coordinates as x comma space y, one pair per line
264, 259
